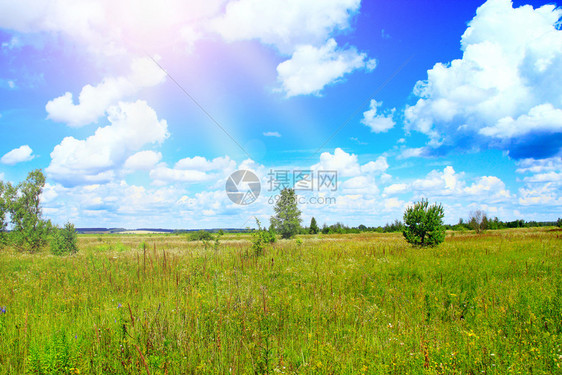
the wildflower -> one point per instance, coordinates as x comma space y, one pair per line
3, 310
119, 306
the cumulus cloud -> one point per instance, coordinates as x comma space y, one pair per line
503, 92
18, 155
142, 160
292, 27
284, 24
93, 101
395, 189
96, 159
542, 183
378, 166
345, 164
195, 169
378, 122
312, 68
100, 26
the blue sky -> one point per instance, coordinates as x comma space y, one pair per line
456, 102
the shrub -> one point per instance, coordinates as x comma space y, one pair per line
200, 235
64, 240
424, 224
260, 238
559, 223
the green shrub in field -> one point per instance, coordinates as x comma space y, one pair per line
64, 240
200, 235
424, 224
559, 223
260, 238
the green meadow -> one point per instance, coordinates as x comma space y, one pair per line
328, 304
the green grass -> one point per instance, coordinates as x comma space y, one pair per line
342, 304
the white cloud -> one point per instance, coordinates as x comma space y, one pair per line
542, 195
379, 123
488, 187
202, 164
95, 159
395, 189
444, 183
543, 117
540, 165
503, 87
195, 169
18, 155
142, 160
272, 134
93, 101
345, 164
378, 166
292, 27
284, 24
412, 153
100, 27
544, 184
312, 68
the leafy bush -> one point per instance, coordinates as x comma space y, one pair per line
424, 224
64, 240
200, 235
559, 223
260, 238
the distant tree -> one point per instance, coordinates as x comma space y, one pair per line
478, 221
325, 229
313, 226
559, 222
423, 224
30, 230
64, 240
287, 219
362, 228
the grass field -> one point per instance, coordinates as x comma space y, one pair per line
342, 304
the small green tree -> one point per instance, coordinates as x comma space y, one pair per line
313, 226
30, 230
260, 238
64, 240
287, 219
559, 222
478, 221
423, 224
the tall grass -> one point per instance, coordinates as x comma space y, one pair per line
365, 303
